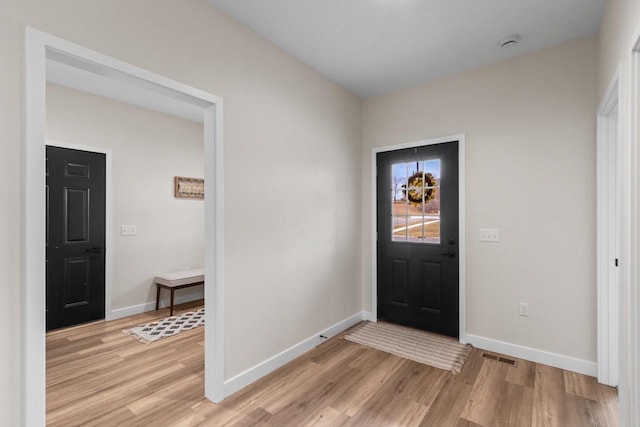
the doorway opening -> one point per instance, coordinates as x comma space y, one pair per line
428, 227
41, 47
75, 239
417, 217
610, 220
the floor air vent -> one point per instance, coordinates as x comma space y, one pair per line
499, 359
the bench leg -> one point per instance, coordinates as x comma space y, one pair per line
171, 313
157, 297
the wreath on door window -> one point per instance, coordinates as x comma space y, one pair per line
420, 183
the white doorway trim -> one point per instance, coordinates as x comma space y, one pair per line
630, 331
461, 223
609, 223
108, 236
39, 47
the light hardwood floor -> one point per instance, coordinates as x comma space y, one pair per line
98, 376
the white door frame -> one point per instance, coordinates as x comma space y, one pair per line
108, 216
609, 223
39, 47
461, 223
630, 332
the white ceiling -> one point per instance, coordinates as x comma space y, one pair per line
376, 46
373, 46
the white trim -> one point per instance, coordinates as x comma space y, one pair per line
462, 229
33, 231
264, 368
214, 253
609, 221
108, 216
534, 355
630, 333
39, 47
461, 222
151, 305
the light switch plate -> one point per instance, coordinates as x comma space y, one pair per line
128, 230
489, 235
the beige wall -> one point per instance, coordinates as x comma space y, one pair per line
10, 218
621, 20
530, 136
148, 150
292, 168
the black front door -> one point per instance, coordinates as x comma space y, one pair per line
75, 236
417, 222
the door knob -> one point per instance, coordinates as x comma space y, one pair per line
96, 250
449, 255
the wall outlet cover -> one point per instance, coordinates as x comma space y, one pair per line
128, 230
524, 309
489, 234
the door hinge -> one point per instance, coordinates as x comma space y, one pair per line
616, 262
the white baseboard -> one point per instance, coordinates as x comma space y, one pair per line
150, 306
253, 374
367, 315
534, 355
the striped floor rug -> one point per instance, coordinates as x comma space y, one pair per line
419, 346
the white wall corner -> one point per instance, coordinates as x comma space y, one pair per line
258, 371
556, 360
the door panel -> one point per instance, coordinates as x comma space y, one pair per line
76, 275
431, 286
76, 212
417, 223
75, 236
400, 281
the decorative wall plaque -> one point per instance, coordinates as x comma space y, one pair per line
189, 188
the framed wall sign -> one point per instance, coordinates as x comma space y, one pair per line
189, 188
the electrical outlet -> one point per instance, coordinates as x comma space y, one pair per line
524, 309
128, 230
489, 235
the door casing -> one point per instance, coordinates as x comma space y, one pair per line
461, 223
609, 240
38, 47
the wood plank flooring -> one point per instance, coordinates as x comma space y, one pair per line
98, 376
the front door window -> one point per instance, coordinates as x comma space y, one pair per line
415, 196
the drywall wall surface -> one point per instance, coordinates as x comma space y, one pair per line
530, 172
148, 150
292, 167
620, 23
10, 219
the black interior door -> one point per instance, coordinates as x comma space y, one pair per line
417, 222
75, 236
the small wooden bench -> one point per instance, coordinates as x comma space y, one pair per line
177, 280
